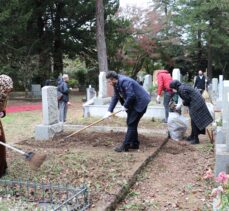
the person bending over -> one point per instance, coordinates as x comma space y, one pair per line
198, 111
134, 100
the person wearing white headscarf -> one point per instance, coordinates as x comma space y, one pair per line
6, 86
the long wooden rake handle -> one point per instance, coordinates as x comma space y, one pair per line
13, 148
100, 120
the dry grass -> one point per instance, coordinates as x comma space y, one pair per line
20, 126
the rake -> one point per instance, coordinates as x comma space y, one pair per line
96, 122
35, 161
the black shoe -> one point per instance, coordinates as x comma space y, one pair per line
195, 141
134, 146
121, 148
190, 138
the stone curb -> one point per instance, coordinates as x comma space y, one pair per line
125, 189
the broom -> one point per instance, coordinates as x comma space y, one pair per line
35, 161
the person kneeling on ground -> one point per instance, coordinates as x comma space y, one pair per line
134, 100
198, 111
6, 86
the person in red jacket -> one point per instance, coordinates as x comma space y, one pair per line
163, 80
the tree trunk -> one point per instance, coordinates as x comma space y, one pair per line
209, 73
199, 46
44, 64
100, 37
44, 57
57, 43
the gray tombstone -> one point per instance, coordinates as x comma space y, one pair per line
215, 85
36, 90
221, 149
51, 124
213, 89
90, 93
147, 83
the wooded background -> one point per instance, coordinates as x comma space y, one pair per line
41, 39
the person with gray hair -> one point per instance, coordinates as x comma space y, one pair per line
63, 100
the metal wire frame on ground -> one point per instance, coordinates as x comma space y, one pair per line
40, 196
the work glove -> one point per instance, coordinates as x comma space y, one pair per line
123, 108
158, 99
108, 113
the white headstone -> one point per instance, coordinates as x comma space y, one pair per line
176, 74
215, 85
90, 93
49, 105
147, 83
102, 85
220, 87
225, 105
227, 125
51, 124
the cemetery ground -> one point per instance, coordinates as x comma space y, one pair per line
171, 180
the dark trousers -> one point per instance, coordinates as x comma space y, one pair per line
3, 164
195, 130
133, 118
167, 98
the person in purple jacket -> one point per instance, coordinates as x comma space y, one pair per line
134, 100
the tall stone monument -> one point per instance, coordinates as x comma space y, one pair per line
51, 124
102, 85
222, 149
148, 83
105, 91
176, 74
220, 87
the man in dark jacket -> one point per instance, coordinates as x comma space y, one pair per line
200, 82
198, 111
134, 100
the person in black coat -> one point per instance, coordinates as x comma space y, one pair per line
200, 82
198, 111
134, 100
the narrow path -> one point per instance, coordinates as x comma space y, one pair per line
173, 180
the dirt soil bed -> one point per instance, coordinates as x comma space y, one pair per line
174, 180
85, 158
